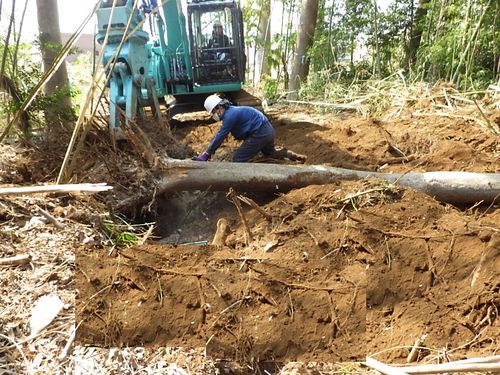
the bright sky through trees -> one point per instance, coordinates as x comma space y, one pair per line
73, 12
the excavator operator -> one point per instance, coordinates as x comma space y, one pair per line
219, 41
246, 124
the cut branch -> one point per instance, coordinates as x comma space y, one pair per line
16, 260
248, 234
49, 217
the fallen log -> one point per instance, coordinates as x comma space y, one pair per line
455, 187
177, 175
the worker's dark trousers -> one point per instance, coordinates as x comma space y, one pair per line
261, 140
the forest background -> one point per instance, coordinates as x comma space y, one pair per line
320, 50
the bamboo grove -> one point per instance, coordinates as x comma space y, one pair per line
456, 41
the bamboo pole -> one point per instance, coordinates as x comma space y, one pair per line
18, 41
70, 188
450, 367
382, 367
90, 96
489, 359
7, 38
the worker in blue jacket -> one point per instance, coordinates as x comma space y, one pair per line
246, 124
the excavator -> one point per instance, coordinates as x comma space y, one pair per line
177, 59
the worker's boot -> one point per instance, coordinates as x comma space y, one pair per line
295, 157
279, 154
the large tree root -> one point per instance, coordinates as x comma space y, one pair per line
454, 187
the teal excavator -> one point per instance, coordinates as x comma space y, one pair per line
184, 57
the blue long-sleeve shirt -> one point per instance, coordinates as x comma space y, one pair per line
241, 122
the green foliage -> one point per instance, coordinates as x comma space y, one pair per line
251, 20
451, 40
462, 47
123, 234
25, 71
269, 87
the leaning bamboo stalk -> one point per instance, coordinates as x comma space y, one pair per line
471, 41
69, 188
451, 367
61, 178
72, 153
18, 40
7, 39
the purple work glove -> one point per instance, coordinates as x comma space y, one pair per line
202, 157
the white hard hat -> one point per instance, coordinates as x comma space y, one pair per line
211, 102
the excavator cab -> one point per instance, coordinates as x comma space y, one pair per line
216, 41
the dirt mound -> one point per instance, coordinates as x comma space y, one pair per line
431, 270
428, 143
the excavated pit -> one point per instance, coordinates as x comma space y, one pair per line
190, 217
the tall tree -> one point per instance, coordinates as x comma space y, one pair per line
57, 88
305, 39
416, 34
376, 57
264, 37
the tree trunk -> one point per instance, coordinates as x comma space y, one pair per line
376, 62
416, 34
284, 55
175, 175
7, 39
264, 38
305, 38
331, 56
434, 69
50, 43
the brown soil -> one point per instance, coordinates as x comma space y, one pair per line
353, 268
